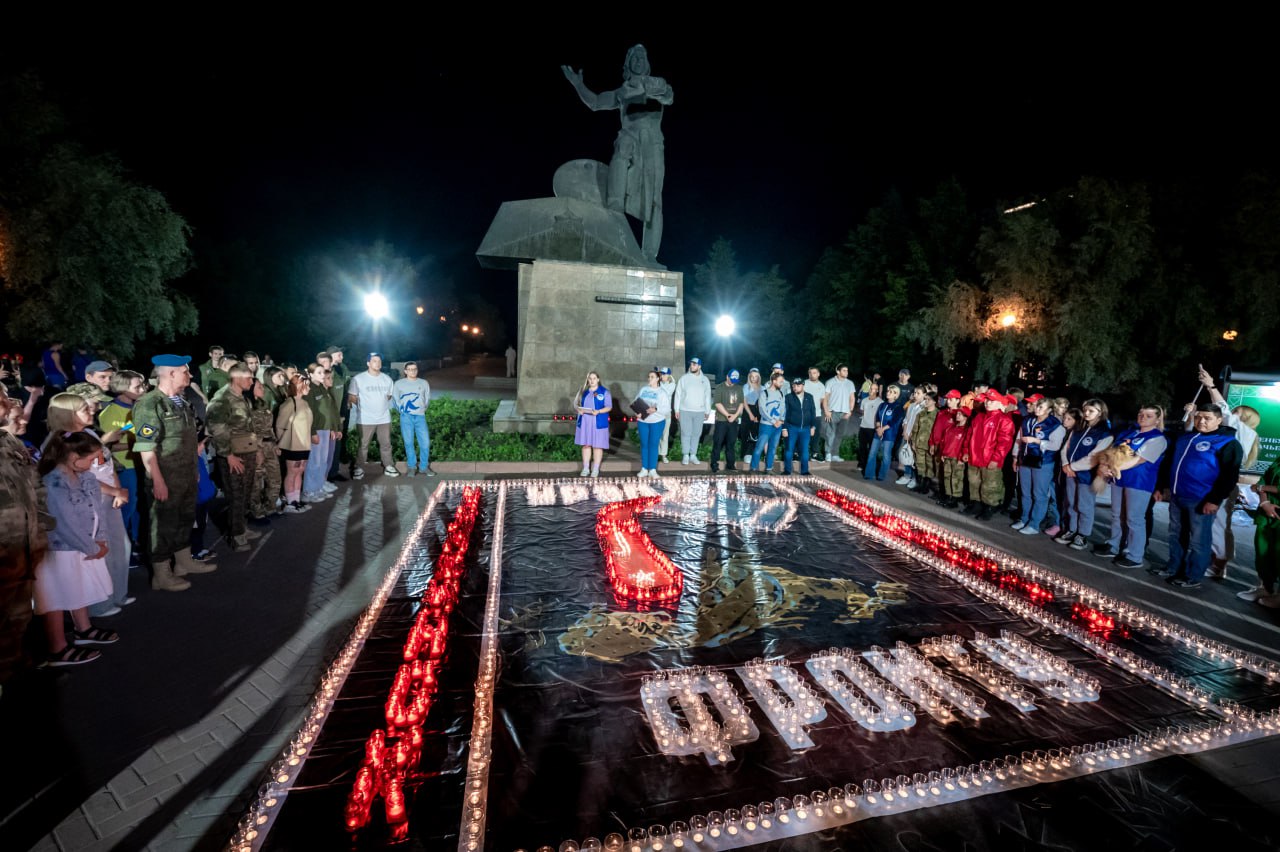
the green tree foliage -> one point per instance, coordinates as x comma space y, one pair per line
864, 295
1070, 286
86, 255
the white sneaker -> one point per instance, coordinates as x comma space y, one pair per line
902, 480
911, 484
684, 460
1270, 601
391, 471
834, 458
586, 471
643, 474
595, 474
666, 460
1019, 525
653, 474
1252, 594
313, 497
329, 488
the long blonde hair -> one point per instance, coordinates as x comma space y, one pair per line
586, 383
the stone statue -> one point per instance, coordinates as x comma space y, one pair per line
636, 172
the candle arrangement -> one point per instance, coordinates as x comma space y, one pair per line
702, 734
637, 569
391, 754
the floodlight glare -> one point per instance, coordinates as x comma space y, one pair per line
375, 305
725, 325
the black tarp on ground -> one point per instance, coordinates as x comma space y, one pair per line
573, 753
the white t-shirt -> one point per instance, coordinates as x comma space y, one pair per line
373, 398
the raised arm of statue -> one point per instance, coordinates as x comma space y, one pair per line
604, 100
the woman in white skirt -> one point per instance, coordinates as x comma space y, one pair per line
73, 574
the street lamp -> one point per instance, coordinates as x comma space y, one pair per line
376, 306
725, 326
1008, 319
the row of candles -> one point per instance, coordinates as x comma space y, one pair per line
637, 568
978, 568
787, 816
392, 753
682, 498
480, 752
1053, 675
256, 822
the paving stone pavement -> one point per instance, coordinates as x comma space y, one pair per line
162, 743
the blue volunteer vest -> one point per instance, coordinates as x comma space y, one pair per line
595, 400
1195, 464
1041, 430
1142, 477
1079, 445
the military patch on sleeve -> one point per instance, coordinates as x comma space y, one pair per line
146, 430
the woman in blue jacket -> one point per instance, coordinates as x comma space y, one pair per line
887, 425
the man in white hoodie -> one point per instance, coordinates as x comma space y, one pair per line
691, 406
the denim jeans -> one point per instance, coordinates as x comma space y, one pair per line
1190, 539
1080, 505
129, 511
415, 426
766, 446
797, 434
881, 455
650, 437
1036, 483
317, 469
1129, 522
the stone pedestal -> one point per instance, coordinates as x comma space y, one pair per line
575, 317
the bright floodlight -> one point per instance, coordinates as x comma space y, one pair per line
725, 325
1008, 320
375, 305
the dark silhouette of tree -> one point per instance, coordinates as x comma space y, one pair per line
86, 254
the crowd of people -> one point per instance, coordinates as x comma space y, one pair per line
1040, 462
104, 469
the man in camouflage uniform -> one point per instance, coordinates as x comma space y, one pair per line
166, 445
22, 535
96, 386
239, 452
211, 374
265, 493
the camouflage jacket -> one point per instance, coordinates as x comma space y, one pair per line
230, 423
23, 521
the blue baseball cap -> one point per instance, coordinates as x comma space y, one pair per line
734, 375
170, 360
697, 361
777, 367
664, 371
753, 370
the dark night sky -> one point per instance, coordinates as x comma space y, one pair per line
781, 136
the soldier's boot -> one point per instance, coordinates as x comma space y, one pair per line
183, 564
163, 579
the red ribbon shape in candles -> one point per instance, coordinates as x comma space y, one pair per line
637, 568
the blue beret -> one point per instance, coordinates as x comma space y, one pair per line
170, 360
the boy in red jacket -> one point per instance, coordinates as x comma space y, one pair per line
950, 457
987, 443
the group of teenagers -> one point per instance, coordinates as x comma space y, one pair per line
984, 453
121, 470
